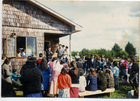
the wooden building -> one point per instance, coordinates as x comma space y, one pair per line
31, 25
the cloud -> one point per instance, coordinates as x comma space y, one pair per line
104, 23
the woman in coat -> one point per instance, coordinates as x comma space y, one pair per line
31, 78
46, 72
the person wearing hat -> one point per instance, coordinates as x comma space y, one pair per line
49, 54
65, 54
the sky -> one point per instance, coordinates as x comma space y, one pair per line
104, 23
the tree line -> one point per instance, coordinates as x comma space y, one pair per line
115, 52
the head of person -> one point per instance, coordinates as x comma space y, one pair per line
46, 49
105, 67
125, 58
108, 64
60, 46
87, 55
96, 56
92, 72
66, 48
31, 62
77, 54
131, 57
110, 59
134, 61
49, 48
114, 63
54, 58
81, 71
122, 57
78, 59
92, 56
28, 57
3, 57
19, 51
72, 64
7, 61
14, 71
40, 55
98, 59
62, 61
64, 70
63, 46
103, 56
44, 65
24, 50
84, 56
101, 73
103, 59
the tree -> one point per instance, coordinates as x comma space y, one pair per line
129, 48
116, 48
123, 53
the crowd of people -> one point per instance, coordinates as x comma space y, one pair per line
53, 75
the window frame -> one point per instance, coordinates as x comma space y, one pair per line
7, 46
16, 45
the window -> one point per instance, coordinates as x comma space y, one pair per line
28, 43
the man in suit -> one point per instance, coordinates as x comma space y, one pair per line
92, 62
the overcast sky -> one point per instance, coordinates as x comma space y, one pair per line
104, 23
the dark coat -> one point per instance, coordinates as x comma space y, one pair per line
91, 83
102, 83
74, 78
79, 65
31, 78
91, 64
110, 81
49, 54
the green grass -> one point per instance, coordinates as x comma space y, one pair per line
120, 93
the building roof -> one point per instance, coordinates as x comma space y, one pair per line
75, 27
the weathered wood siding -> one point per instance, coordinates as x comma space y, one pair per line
23, 14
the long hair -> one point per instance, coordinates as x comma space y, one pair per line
64, 70
44, 64
7, 60
92, 72
134, 61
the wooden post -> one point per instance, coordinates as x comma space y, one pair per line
70, 47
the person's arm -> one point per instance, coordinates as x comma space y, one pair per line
69, 81
7, 70
85, 82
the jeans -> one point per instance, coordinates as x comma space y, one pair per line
132, 80
66, 60
15, 82
116, 82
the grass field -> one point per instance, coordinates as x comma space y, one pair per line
120, 93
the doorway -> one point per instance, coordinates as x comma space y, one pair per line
46, 45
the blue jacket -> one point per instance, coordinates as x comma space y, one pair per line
46, 74
116, 71
91, 83
13, 76
22, 54
110, 67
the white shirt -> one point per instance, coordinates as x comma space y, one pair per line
82, 83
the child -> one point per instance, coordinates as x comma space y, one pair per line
92, 80
98, 64
102, 81
104, 69
40, 59
82, 81
109, 66
110, 79
116, 74
64, 83
15, 77
103, 63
